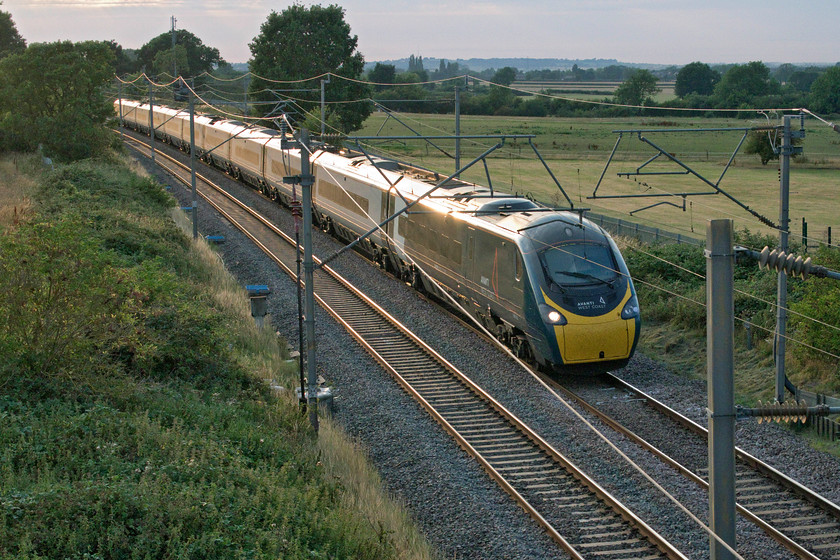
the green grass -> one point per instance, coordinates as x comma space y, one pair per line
136, 421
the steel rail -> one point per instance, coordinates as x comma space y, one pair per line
456, 393
800, 549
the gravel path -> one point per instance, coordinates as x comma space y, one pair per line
455, 503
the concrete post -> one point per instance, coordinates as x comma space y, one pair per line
720, 320
192, 165
151, 121
308, 273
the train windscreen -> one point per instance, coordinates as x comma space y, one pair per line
579, 264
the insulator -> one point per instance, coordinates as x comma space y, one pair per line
788, 263
763, 257
802, 268
781, 261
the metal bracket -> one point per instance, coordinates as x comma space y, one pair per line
686, 169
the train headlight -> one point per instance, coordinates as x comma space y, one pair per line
551, 315
631, 309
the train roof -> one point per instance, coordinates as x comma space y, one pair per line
475, 203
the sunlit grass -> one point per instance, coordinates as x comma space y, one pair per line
16, 189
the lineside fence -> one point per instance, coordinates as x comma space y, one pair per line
824, 426
647, 234
653, 235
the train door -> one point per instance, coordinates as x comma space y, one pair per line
469, 258
388, 209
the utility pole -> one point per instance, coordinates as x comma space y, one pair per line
192, 162
457, 130
151, 120
720, 326
174, 62
788, 149
323, 106
306, 180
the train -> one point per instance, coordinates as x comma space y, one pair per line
548, 283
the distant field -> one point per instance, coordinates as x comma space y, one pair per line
586, 90
577, 150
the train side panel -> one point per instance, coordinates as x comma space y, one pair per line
215, 142
247, 155
279, 163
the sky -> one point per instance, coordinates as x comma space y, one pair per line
639, 31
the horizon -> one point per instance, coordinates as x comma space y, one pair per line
654, 32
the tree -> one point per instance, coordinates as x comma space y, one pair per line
802, 80
65, 108
303, 43
163, 63
744, 82
125, 60
637, 89
200, 57
10, 40
415, 66
504, 76
383, 74
696, 77
825, 92
759, 143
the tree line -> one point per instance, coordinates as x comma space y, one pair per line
697, 86
53, 95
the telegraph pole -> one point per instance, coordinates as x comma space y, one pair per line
174, 62
151, 120
788, 149
720, 321
192, 163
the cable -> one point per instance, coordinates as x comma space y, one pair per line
653, 256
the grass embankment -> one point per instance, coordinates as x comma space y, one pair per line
136, 421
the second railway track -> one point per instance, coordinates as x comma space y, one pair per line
467, 417
582, 517
801, 520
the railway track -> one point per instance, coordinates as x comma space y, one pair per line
801, 520
582, 517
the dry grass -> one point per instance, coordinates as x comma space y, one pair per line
365, 494
16, 191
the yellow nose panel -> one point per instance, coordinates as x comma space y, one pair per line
585, 343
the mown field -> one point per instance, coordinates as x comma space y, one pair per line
587, 90
577, 151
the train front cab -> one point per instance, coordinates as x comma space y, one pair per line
584, 309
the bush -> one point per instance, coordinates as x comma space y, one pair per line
818, 298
